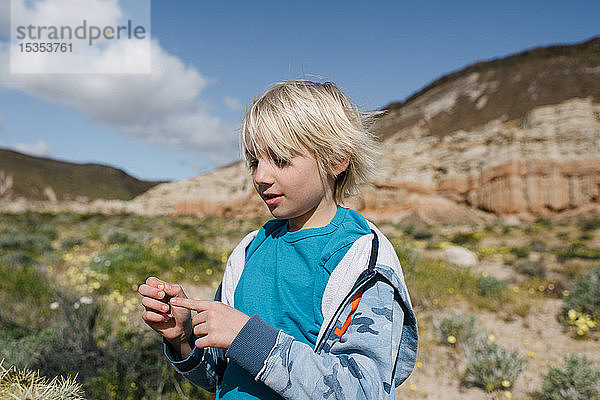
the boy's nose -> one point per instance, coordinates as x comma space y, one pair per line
263, 173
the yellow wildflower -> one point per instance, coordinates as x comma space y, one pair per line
451, 339
572, 314
505, 383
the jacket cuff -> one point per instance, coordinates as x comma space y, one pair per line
184, 365
253, 344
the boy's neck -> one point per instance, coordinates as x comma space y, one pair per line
316, 218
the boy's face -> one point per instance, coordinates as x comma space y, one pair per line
294, 190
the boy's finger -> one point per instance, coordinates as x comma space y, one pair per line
153, 281
174, 290
151, 291
150, 316
190, 304
152, 304
202, 342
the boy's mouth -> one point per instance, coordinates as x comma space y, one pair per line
271, 198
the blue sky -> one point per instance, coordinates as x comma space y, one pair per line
216, 56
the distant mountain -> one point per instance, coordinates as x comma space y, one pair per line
37, 178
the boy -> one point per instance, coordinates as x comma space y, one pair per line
330, 314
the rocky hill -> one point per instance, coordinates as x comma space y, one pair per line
518, 136
24, 177
514, 136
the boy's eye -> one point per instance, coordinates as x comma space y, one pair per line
280, 162
252, 163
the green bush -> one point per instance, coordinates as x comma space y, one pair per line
578, 379
538, 245
490, 286
577, 250
71, 241
25, 295
491, 366
32, 242
127, 265
16, 259
562, 235
531, 268
589, 224
190, 252
116, 235
466, 238
455, 329
585, 296
422, 233
581, 309
521, 252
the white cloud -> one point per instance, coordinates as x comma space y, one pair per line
4, 18
164, 107
40, 148
232, 103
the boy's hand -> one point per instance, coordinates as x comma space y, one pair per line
173, 323
216, 324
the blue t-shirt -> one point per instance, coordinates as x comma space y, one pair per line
283, 280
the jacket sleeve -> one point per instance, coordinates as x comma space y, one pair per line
358, 361
203, 367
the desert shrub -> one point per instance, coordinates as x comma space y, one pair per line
49, 231
16, 258
543, 221
589, 224
409, 229
190, 252
466, 238
435, 283
562, 235
521, 251
490, 286
577, 250
127, 264
456, 328
577, 379
115, 235
71, 241
422, 232
22, 384
581, 309
134, 367
32, 242
29, 350
25, 295
538, 245
531, 268
491, 366
586, 236
407, 254
585, 296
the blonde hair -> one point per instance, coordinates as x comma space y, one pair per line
294, 114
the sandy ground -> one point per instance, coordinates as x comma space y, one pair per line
539, 337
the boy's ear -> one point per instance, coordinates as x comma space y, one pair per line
341, 167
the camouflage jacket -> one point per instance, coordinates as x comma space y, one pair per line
366, 346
